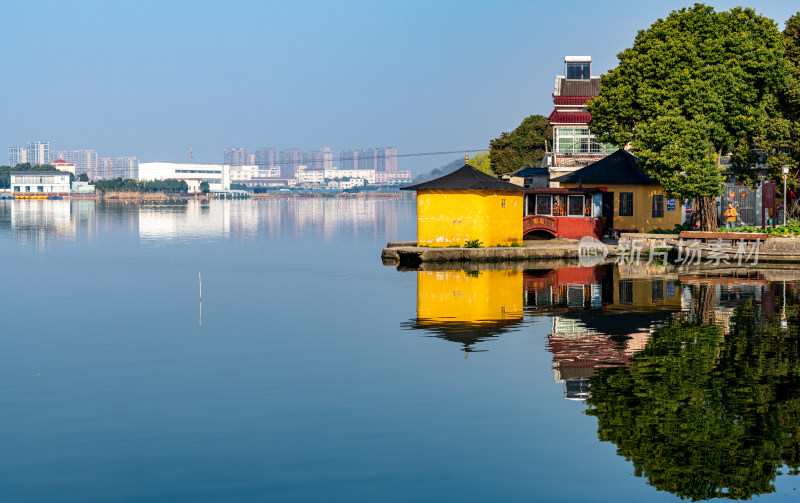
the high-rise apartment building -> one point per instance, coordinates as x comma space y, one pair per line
386, 159
289, 160
266, 157
85, 161
17, 155
321, 159
348, 159
377, 159
104, 170
368, 159
236, 157
38, 153
126, 168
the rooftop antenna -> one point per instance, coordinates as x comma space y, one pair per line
191, 158
466, 158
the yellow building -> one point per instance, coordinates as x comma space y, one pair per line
631, 200
468, 306
467, 205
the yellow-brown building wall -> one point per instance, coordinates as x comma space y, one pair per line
642, 219
450, 217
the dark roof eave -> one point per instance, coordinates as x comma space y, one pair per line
465, 178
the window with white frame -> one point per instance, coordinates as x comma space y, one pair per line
578, 141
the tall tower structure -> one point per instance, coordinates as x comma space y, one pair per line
17, 155
387, 159
574, 146
38, 153
266, 157
235, 157
289, 160
85, 161
348, 159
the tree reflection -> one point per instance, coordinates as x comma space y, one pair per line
705, 414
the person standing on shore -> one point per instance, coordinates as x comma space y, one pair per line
730, 215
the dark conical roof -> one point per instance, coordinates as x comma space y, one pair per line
619, 168
465, 178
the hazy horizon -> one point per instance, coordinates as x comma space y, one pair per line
151, 79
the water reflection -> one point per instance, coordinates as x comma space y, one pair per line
708, 410
36, 223
693, 376
468, 306
602, 316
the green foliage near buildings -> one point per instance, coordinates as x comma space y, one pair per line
704, 414
473, 243
792, 228
525, 146
120, 185
83, 177
482, 162
5, 172
694, 86
790, 102
204, 188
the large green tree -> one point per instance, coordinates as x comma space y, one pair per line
791, 97
524, 146
693, 87
775, 141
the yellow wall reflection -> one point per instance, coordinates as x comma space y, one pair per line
469, 297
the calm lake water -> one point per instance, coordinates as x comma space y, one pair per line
311, 372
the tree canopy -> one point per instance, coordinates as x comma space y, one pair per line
118, 184
482, 162
692, 87
525, 146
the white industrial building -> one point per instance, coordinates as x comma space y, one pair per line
346, 184
246, 173
39, 182
305, 175
336, 174
218, 176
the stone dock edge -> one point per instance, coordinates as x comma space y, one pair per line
408, 254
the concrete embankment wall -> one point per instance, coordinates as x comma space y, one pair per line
771, 250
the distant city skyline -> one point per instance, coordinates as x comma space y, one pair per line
421, 76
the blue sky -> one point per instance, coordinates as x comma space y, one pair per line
152, 78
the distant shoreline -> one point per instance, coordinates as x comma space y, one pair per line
162, 196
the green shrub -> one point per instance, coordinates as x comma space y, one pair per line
676, 230
473, 243
792, 228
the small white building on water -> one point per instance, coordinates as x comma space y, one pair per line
218, 176
39, 182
